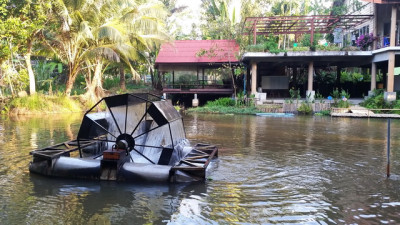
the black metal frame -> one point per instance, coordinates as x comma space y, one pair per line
146, 100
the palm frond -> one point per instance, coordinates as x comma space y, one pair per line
106, 52
110, 31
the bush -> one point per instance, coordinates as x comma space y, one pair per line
255, 48
340, 98
43, 104
221, 102
226, 110
377, 101
305, 109
325, 113
327, 48
110, 82
300, 49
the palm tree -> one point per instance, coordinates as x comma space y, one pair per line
125, 38
92, 33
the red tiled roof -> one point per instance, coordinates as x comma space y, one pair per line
189, 51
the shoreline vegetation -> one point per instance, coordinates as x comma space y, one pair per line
226, 106
40, 103
225, 110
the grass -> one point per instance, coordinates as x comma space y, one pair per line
225, 110
323, 113
39, 104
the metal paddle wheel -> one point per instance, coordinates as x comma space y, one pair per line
131, 137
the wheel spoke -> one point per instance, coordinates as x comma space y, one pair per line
104, 129
142, 155
146, 132
115, 121
137, 125
149, 146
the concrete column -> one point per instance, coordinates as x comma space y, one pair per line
390, 79
310, 92
389, 95
253, 78
195, 101
375, 26
373, 80
393, 26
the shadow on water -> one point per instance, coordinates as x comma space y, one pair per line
108, 202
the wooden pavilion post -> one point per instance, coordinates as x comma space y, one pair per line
255, 32
312, 33
375, 27
253, 78
390, 95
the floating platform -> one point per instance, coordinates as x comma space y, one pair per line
275, 114
135, 139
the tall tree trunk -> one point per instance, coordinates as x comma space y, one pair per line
32, 86
94, 90
122, 81
72, 73
233, 81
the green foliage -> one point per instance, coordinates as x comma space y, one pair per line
377, 101
323, 113
343, 104
300, 49
43, 104
110, 82
225, 110
340, 98
255, 48
268, 44
327, 48
294, 94
319, 97
223, 102
355, 77
306, 41
305, 108
14, 77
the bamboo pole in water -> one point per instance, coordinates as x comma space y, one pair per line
388, 149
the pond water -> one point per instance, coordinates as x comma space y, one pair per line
309, 170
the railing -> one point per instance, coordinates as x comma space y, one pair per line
201, 84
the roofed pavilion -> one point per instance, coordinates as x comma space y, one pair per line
197, 66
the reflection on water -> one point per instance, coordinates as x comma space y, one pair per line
270, 171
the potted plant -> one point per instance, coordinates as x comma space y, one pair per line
365, 41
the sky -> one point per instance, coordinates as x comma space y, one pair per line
192, 14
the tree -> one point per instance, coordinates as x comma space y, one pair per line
21, 22
92, 32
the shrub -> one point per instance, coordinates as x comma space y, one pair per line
327, 48
300, 49
325, 113
377, 101
340, 98
255, 48
221, 102
110, 82
305, 108
43, 104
